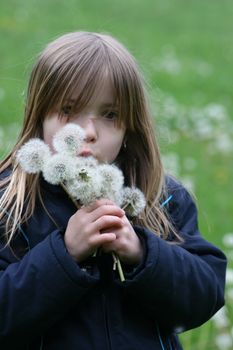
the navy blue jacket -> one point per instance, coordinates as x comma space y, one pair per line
49, 302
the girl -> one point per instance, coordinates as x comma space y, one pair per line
54, 293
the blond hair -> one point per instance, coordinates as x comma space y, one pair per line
77, 62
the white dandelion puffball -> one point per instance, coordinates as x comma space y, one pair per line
69, 139
112, 181
86, 185
87, 162
58, 168
133, 201
32, 155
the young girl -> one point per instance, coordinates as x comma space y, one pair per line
54, 293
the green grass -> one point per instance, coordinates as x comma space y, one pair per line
185, 50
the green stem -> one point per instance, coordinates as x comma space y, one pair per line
119, 267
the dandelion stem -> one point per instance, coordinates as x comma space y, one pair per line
119, 268
94, 255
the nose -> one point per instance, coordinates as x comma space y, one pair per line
90, 129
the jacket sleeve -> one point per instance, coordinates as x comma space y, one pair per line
39, 289
182, 285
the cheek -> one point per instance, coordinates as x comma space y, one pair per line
50, 127
47, 135
115, 145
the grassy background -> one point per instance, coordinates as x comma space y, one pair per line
185, 50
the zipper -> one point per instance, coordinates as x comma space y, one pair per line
164, 342
106, 322
170, 344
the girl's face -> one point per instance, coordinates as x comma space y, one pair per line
99, 120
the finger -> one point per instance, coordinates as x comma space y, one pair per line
106, 222
100, 239
106, 209
96, 204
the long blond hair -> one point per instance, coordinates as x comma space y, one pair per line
78, 62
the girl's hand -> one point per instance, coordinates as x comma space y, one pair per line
85, 231
127, 245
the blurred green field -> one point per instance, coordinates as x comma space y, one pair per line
185, 49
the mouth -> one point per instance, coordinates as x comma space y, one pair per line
85, 153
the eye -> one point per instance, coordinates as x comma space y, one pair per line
110, 115
66, 110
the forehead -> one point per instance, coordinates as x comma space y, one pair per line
104, 93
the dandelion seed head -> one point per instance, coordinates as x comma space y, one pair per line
133, 201
86, 190
89, 162
69, 139
84, 171
32, 155
58, 168
112, 180
85, 185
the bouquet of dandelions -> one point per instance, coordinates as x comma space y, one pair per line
82, 178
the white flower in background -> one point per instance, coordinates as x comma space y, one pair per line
69, 139
171, 163
229, 276
8, 134
210, 122
204, 69
229, 293
216, 112
167, 135
133, 201
168, 62
224, 341
112, 181
58, 168
220, 319
228, 239
32, 155
171, 108
230, 255
223, 143
188, 182
204, 129
189, 164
